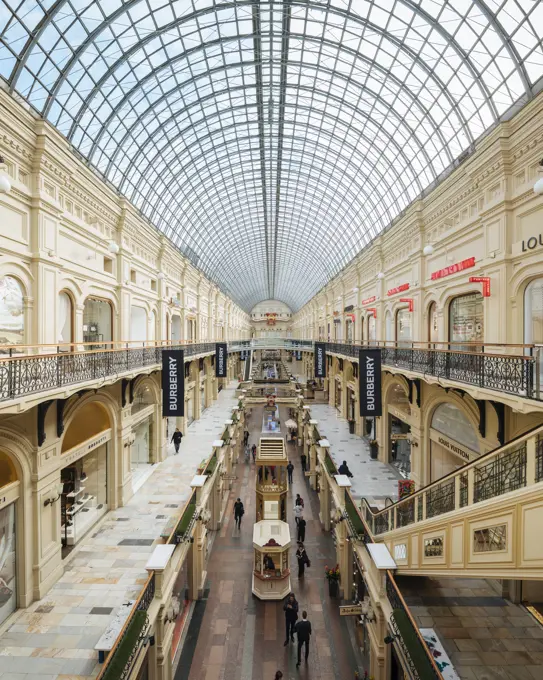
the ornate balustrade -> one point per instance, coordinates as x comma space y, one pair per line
516, 465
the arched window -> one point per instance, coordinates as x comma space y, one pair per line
152, 326
533, 312
450, 421
433, 335
403, 326
12, 317
65, 321
466, 320
138, 323
371, 328
97, 321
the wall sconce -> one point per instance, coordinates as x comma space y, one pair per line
428, 250
49, 501
113, 247
380, 276
160, 276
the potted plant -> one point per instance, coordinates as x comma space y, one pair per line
332, 575
352, 424
374, 449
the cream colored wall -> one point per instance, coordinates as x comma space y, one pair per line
485, 209
55, 228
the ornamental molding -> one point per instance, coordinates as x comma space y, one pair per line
17, 148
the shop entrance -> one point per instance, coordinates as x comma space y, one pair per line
141, 459
84, 498
453, 441
400, 445
338, 395
8, 542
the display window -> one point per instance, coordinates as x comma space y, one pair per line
202, 398
140, 452
466, 321
389, 332
97, 321
349, 331
400, 445
453, 441
176, 329
84, 494
180, 604
12, 317
190, 408
138, 324
371, 329
403, 327
533, 316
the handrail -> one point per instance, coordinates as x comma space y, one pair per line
408, 346
413, 499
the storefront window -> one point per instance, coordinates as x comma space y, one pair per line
433, 335
176, 329
7, 470
453, 441
65, 320
533, 312
140, 458
138, 324
97, 321
84, 495
466, 321
8, 563
349, 331
12, 319
449, 420
403, 327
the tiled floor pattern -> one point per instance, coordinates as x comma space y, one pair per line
54, 638
486, 637
241, 637
372, 479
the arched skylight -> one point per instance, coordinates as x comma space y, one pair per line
272, 140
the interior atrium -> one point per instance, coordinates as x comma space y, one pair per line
271, 326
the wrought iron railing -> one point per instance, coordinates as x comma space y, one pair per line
493, 474
22, 375
501, 370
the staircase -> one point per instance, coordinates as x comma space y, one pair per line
481, 521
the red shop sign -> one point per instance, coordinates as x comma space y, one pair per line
398, 289
409, 302
373, 310
368, 301
485, 280
453, 268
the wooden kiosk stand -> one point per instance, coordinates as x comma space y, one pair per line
271, 533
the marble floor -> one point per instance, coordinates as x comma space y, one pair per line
372, 479
235, 636
54, 638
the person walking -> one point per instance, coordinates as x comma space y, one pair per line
290, 470
176, 439
291, 616
344, 469
301, 529
239, 511
298, 512
246, 437
278, 675
299, 500
303, 630
303, 559
253, 451
303, 458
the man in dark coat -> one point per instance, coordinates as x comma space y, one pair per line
290, 470
301, 529
239, 511
176, 439
291, 615
303, 630
344, 469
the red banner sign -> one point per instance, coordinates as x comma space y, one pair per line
350, 317
485, 280
368, 301
398, 289
409, 302
373, 311
453, 268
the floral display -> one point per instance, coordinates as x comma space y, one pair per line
406, 487
332, 573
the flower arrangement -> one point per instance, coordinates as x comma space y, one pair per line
406, 487
332, 573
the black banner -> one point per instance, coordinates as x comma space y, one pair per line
173, 382
221, 357
369, 369
320, 360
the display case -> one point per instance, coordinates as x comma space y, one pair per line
271, 479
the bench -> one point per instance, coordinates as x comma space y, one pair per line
106, 642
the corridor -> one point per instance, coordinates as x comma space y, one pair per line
235, 636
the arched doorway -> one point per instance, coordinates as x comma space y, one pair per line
399, 428
84, 473
142, 452
9, 489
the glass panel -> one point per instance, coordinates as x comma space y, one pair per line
403, 327
97, 321
491, 539
12, 320
466, 319
8, 562
449, 420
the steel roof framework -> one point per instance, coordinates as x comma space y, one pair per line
272, 140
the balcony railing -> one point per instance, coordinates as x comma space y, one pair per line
33, 372
516, 465
513, 369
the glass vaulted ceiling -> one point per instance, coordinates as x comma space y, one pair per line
272, 140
